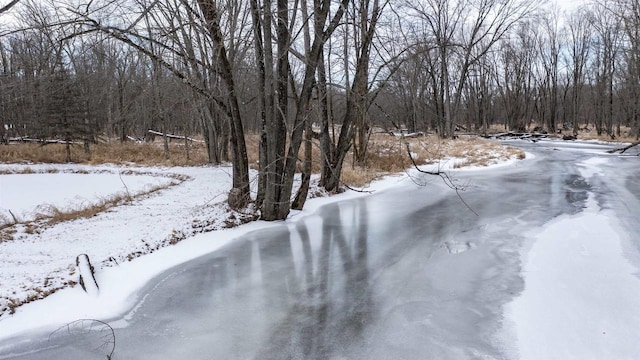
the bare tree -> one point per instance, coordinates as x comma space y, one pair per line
239, 195
629, 14
515, 77
460, 33
281, 162
579, 44
354, 128
549, 47
606, 53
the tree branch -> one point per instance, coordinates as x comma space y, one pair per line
443, 175
623, 149
11, 4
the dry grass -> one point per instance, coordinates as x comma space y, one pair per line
592, 134
359, 177
50, 215
35, 294
253, 143
111, 152
388, 154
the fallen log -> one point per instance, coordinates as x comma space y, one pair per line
623, 149
171, 136
25, 139
509, 135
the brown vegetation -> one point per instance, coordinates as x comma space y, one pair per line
144, 154
387, 154
591, 134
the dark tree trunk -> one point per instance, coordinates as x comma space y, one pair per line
240, 194
276, 203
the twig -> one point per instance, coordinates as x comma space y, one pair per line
129, 198
15, 218
8, 6
443, 175
357, 190
109, 339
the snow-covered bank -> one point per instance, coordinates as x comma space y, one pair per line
581, 293
39, 259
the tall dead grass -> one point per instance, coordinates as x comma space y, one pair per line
592, 134
112, 152
387, 154
52, 215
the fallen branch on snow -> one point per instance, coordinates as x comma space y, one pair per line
622, 150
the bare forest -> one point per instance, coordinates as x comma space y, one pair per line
312, 73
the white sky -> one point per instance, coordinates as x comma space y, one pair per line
569, 4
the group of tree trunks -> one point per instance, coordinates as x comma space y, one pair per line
302, 72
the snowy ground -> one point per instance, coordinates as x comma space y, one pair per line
64, 190
39, 259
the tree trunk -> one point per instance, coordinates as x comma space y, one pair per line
326, 141
276, 204
354, 122
303, 191
239, 195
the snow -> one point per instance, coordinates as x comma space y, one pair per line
41, 260
117, 286
581, 293
65, 190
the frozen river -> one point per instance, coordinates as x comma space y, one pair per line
409, 273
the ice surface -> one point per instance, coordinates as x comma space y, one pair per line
581, 294
581, 291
